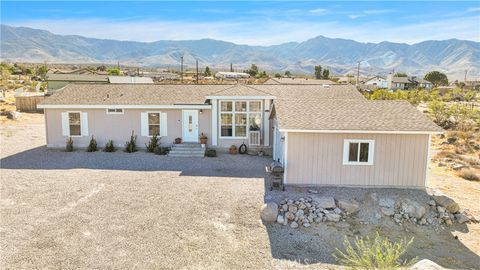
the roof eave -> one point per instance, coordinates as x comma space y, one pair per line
412, 132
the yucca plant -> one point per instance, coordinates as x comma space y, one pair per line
376, 253
92, 146
69, 146
131, 145
109, 147
152, 144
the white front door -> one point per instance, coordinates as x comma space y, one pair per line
190, 125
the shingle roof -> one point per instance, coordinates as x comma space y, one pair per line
77, 78
297, 81
358, 115
159, 94
129, 79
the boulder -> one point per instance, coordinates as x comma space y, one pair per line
446, 202
294, 225
387, 211
300, 213
350, 207
313, 191
325, 202
306, 224
441, 209
425, 265
269, 212
432, 203
292, 208
461, 218
387, 202
280, 219
14, 115
285, 207
290, 216
412, 208
333, 217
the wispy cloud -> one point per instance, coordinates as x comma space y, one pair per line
367, 12
473, 9
318, 11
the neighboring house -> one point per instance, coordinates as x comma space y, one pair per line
130, 80
376, 82
294, 80
57, 81
231, 75
408, 83
323, 135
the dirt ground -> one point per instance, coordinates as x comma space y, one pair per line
102, 210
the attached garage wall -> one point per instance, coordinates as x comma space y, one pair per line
317, 159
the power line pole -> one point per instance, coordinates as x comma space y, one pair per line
181, 69
231, 67
358, 72
465, 79
196, 62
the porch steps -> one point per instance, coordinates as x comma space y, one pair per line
187, 150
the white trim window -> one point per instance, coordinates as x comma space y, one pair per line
114, 111
154, 123
75, 123
237, 117
358, 152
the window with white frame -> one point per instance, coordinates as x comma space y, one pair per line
74, 123
153, 124
358, 152
114, 111
237, 117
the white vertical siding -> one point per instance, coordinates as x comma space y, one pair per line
317, 159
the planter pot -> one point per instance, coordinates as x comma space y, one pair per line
178, 141
232, 151
203, 141
203, 145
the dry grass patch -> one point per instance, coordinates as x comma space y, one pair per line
469, 174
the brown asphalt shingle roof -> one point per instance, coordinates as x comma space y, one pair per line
297, 81
358, 115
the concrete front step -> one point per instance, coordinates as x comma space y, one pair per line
177, 154
187, 150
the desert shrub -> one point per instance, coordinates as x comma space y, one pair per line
447, 154
109, 147
469, 174
152, 144
473, 161
439, 113
69, 146
92, 146
376, 253
162, 150
131, 145
470, 95
211, 153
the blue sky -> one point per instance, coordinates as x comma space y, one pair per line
251, 22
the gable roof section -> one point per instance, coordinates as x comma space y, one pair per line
352, 115
240, 90
77, 77
129, 79
298, 81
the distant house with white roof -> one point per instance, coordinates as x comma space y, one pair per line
231, 75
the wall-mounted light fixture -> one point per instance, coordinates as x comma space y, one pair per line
282, 139
201, 111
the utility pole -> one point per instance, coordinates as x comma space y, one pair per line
358, 72
231, 67
465, 79
181, 69
196, 62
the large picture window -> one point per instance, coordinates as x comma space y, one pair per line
153, 124
238, 117
74, 123
358, 152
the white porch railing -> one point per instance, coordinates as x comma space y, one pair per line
254, 137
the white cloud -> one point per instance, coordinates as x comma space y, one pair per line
370, 12
355, 16
318, 11
473, 9
265, 32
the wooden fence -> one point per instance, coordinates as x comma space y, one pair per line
28, 103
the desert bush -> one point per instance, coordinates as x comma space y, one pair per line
152, 144
162, 150
69, 146
447, 154
439, 113
469, 174
109, 147
131, 145
473, 161
376, 253
92, 146
211, 153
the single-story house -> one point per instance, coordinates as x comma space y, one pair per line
406, 83
323, 135
231, 75
296, 80
57, 81
377, 82
130, 79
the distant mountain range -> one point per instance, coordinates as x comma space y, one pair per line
22, 44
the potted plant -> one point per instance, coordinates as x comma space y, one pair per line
233, 149
203, 139
178, 140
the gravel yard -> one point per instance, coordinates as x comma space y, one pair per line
117, 210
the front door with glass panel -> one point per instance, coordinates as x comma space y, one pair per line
190, 126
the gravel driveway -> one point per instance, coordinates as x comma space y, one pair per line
142, 211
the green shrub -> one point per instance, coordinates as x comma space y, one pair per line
69, 146
109, 147
152, 144
211, 153
131, 145
162, 150
92, 146
377, 253
469, 174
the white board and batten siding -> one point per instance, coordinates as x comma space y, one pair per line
400, 160
83, 124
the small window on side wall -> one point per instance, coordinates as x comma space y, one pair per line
74, 124
114, 111
358, 152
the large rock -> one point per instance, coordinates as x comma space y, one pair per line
14, 115
387, 211
269, 212
461, 218
446, 202
413, 208
387, 202
325, 202
426, 265
280, 219
350, 207
333, 217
